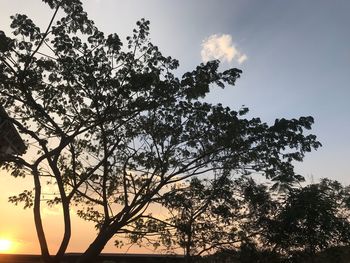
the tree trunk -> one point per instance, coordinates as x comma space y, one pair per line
188, 256
96, 246
67, 230
45, 255
67, 224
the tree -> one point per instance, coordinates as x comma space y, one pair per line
205, 215
114, 128
218, 214
312, 219
210, 216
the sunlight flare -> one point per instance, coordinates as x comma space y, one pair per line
5, 245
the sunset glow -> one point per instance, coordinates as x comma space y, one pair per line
101, 119
5, 245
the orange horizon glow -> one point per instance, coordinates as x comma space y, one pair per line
6, 246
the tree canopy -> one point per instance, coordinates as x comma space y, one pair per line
307, 223
312, 219
215, 215
114, 128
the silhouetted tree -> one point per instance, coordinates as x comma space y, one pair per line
205, 215
218, 214
313, 218
112, 127
211, 215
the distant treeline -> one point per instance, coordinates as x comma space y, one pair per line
103, 258
239, 220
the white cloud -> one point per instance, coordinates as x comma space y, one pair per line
221, 47
242, 58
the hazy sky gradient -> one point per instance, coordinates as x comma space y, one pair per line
297, 63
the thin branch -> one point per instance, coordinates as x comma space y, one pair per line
44, 36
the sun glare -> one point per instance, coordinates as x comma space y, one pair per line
5, 245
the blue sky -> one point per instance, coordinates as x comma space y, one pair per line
298, 57
297, 62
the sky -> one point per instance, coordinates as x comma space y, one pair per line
295, 57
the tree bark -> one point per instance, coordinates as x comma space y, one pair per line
37, 219
96, 246
67, 229
188, 256
66, 213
